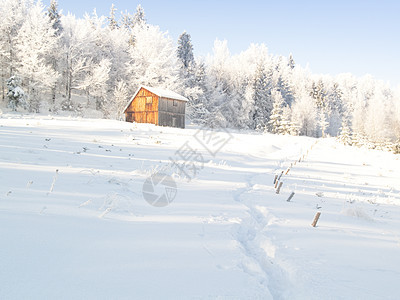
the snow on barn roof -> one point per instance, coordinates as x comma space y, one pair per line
164, 93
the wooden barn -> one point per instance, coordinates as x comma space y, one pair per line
156, 106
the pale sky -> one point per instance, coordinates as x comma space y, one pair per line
331, 37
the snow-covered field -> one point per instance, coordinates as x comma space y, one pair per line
86, 231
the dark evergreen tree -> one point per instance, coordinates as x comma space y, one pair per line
193, 78
55, 17
185, 51
16, 95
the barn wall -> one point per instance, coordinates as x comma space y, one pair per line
140, 111
170, 114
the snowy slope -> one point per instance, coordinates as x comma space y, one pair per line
85, 231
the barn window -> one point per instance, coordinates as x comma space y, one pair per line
149, 100
175, 103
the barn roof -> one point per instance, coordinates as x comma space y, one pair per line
163, 93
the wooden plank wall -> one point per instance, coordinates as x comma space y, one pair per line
140, 110
171, 112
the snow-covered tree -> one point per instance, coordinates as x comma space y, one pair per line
198, 107
79, 42
12, 16
284, 88
112, 22
55, 17
139, 18
304, 112
377, 118
15, 94
275, 121
318, 93
153, 59
291, 62
345, 134
95, 81
119, 101
185, 51
187, 73
55, 56
286, 126
322, 122
35, 41
263, 102
335, 109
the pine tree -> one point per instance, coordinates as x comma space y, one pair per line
285, 90
323, 124
55, 17
53, 57
318, 93
275, 121
112, 23
126, 20
358, 139
294, 128
345, 134
16, 95
291, 63
263, 102
198, 107
187, 64
132, 22
335, 99
139, 18
185, 50
191, 88
285, 126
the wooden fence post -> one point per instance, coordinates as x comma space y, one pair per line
316, 218
279, 187
275, 179
290, 197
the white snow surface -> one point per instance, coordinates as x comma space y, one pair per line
164, 93
85, 231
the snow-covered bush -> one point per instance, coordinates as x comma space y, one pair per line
16, 95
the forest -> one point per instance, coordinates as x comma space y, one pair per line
56, 63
